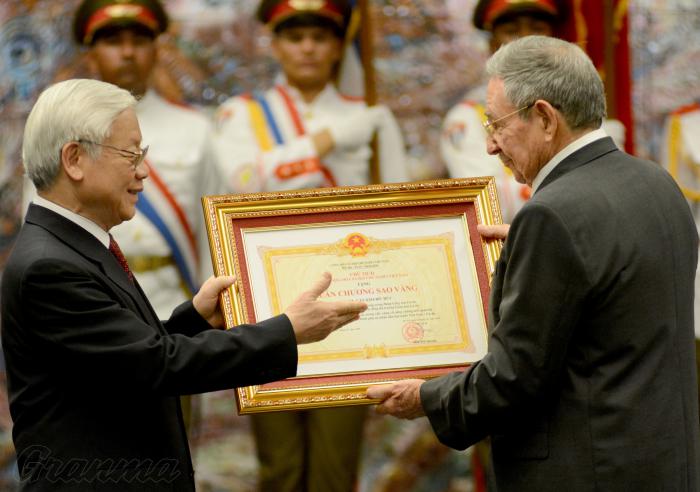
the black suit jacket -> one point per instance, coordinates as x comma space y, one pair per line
589, 380
94, 377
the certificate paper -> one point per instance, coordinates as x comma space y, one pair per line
424, 308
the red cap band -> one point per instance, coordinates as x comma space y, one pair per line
498, 7
290, 8
130, 12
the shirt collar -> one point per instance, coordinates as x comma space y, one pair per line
577, 144
149, 97
328, 91
83, 222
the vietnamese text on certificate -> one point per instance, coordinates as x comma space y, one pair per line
417, 276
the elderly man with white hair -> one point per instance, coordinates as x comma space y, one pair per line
94, 376
589, 379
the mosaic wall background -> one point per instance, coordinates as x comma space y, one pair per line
426, 55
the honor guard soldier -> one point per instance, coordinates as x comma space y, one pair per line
165, 243
463, 139
94, 376
303, 133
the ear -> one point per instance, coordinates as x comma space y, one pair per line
72, 161
160, 49
91, 63
493, 44
274, 44
549, 118
339, 48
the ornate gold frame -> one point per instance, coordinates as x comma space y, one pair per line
223, 212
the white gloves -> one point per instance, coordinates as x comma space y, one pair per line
357, 128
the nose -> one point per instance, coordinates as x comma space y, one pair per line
142, 170
307, 44
127, 50
127, 47
491, 145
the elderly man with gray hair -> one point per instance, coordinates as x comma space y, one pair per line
94, 377
589, 379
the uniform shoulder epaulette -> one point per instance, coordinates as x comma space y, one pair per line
181, 104
470, 102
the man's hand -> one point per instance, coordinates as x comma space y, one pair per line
498, 231
206, 301
401, 399
314, 320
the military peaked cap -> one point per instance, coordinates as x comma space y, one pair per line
274, 12
93, 15
487, 12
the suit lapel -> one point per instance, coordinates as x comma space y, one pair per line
582, 156
90, 247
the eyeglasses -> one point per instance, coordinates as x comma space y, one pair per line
136, 158
490, 125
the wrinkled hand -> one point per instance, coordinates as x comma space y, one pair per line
313, 320
401, 399
356, 129
498, 231
206, 301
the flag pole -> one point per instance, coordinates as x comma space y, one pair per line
367, 59
609, 57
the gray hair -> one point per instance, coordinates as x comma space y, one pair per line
541, 67
77, 109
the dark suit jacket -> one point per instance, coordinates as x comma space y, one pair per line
589, 381
94, 377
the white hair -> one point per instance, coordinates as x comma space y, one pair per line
72, 110
542, 67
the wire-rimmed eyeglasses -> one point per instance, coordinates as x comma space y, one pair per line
490, 125
136, 158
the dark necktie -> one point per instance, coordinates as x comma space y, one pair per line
117, 252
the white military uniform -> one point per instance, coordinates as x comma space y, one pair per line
463, 149
263, 143
681, 157
181, 171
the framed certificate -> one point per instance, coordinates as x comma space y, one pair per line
410, 251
